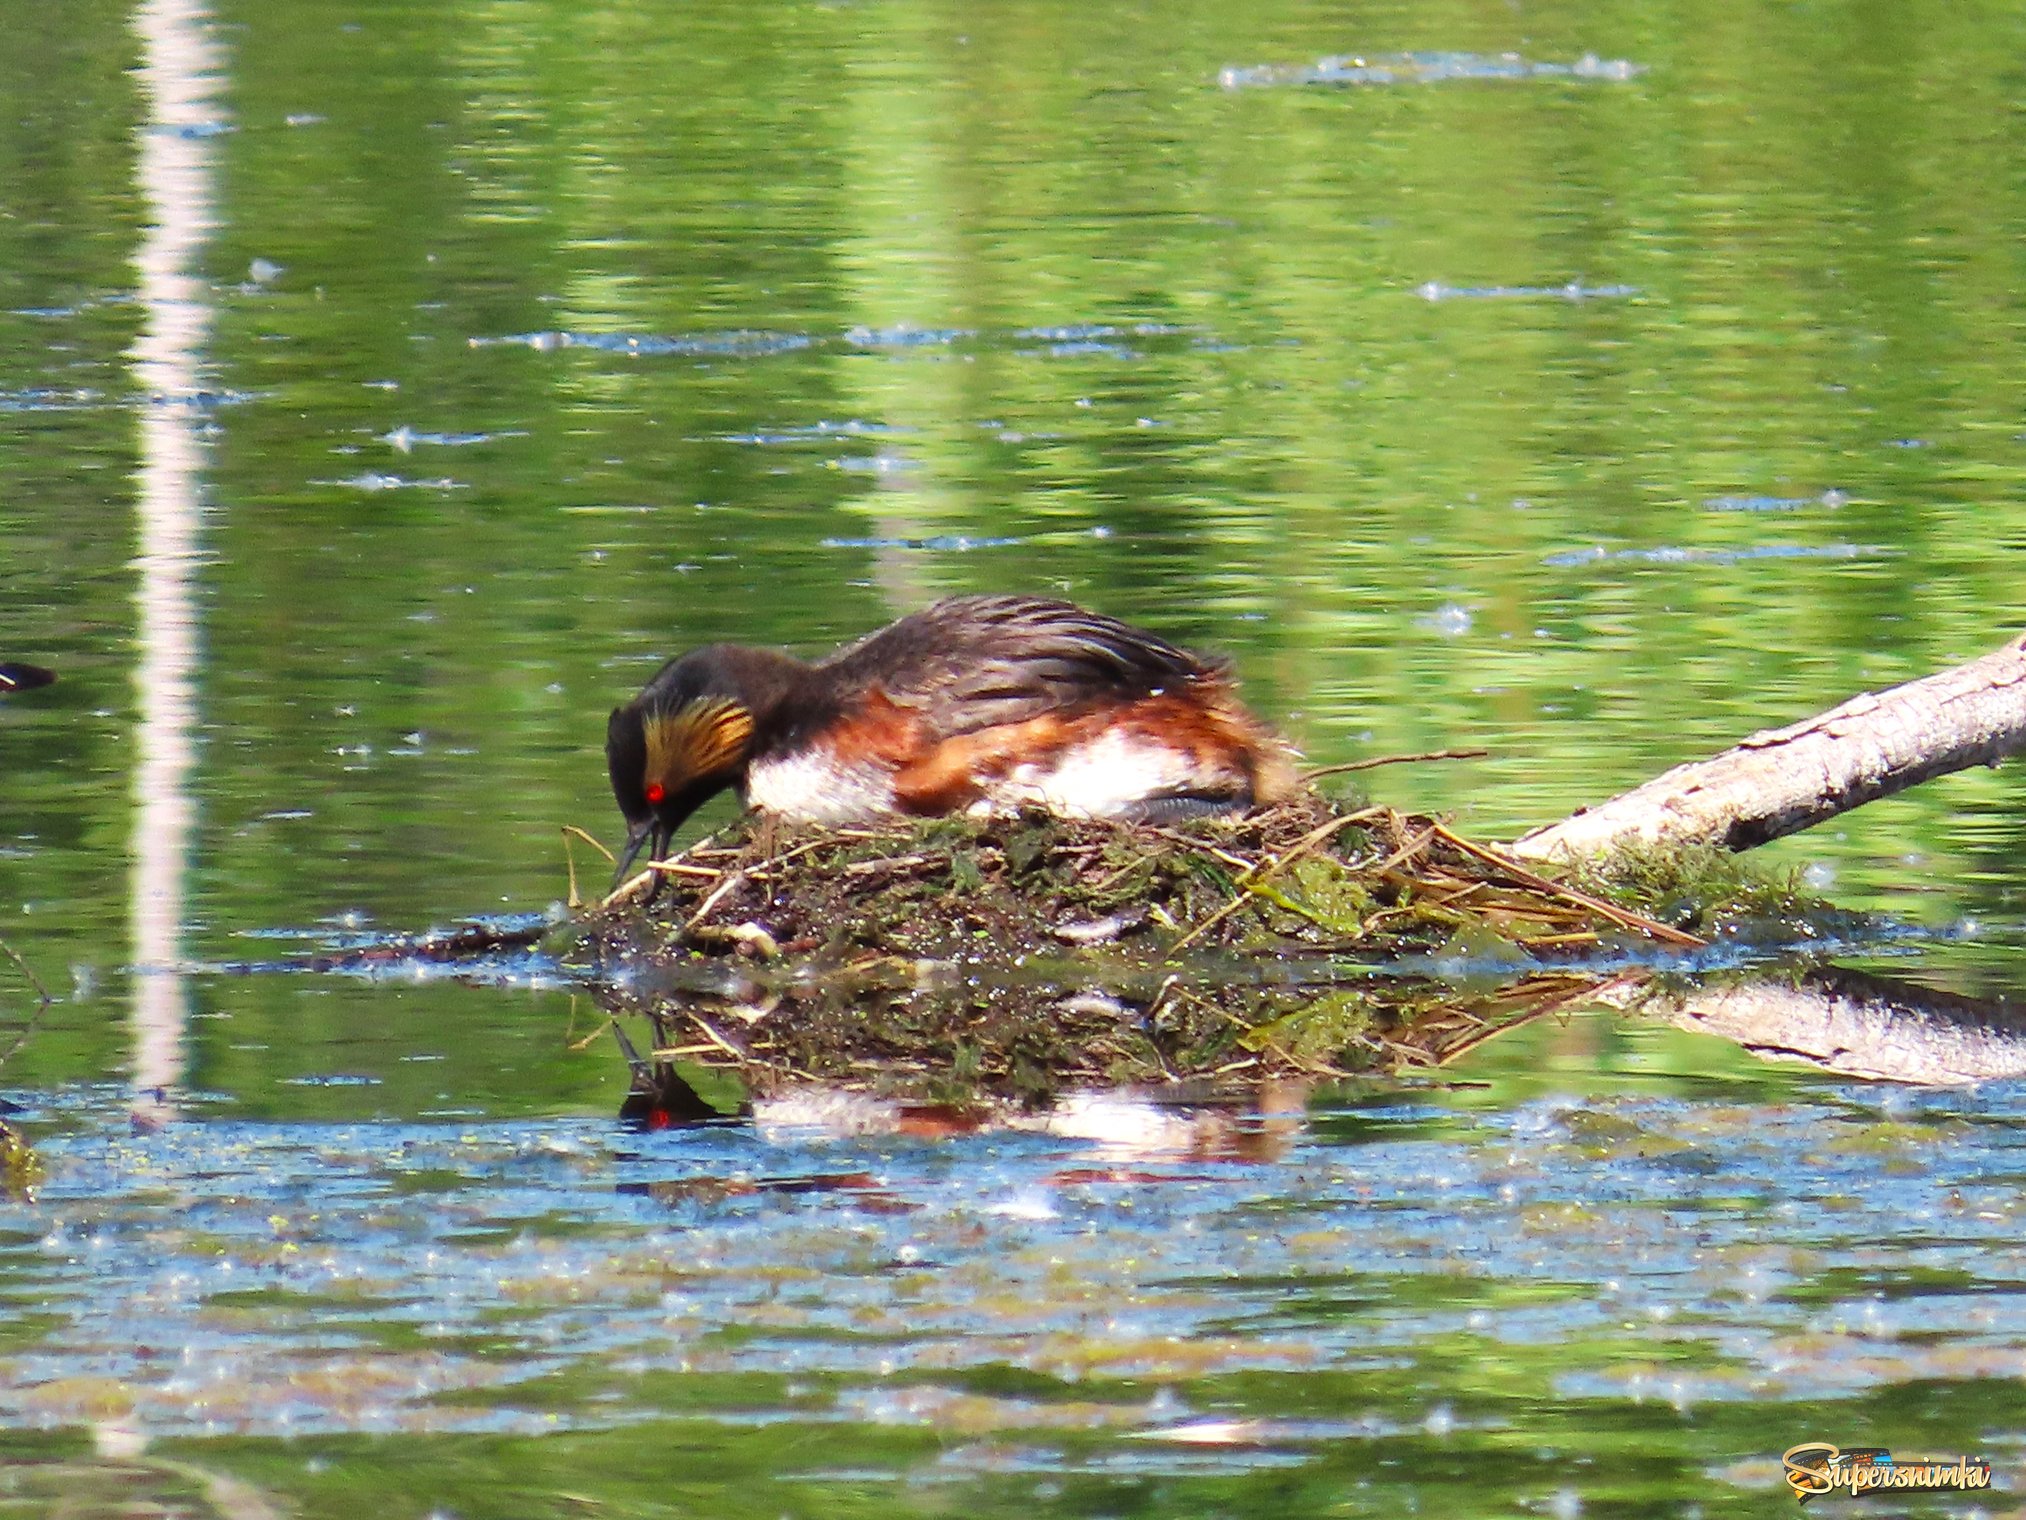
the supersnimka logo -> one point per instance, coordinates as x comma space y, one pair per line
1815, 1468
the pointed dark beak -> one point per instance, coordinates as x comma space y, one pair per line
648, 828
647, 831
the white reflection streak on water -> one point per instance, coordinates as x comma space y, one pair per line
178, 65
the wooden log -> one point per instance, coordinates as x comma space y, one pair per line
1786, 779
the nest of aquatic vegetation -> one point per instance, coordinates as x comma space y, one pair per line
18, 1166
1019, 956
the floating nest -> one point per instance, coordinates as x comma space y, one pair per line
1016, 957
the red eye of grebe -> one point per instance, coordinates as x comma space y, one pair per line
656, 792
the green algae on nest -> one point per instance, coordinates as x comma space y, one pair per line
19, 1168
1303, 877
1018, 956
1713, 892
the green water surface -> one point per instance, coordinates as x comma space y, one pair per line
1593, 413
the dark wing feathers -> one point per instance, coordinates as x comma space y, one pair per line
973, 662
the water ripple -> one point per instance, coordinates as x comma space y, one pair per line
1574, 290
275, 1278
1676, 555
1425, 68
1751, 503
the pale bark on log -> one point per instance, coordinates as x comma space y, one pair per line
1786, 779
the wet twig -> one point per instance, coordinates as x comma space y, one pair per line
1365, 765
1622, 916
42, 1002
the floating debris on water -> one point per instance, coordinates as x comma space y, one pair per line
503, 950
1425, 68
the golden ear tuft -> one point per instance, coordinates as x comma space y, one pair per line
706, 738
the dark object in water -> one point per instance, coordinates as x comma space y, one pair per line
658, 1097
15, 676
995, 703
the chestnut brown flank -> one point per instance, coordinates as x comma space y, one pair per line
1201, 722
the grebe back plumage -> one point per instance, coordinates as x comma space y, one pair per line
984, 703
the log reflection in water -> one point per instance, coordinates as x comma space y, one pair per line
1853, 1024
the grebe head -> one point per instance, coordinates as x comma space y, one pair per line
683, 740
